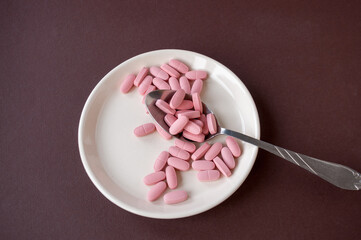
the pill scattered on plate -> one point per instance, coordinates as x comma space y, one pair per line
183, 117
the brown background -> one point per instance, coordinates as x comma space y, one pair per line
300, 60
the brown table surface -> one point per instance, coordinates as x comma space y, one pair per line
300, 61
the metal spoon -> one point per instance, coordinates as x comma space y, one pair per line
338, 175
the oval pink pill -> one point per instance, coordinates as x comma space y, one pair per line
222, 167
153, 178
151, 88
141, 75
212, 124
169, 119
157, 190
175, 197
233, 146
194, 137
144, 85
197, 86
200, 151
185, 105
161, 84
178, 152
198, 122
203, 118
179, 66
144, 129
164, 106
174, 83
127, 84
180, 111
188, 146
177, 98
202, 165
213, 151
162, 132
178, 125
184, 84
208, 175
196, 74
197, 103
228, 157
161, 161
178, 163
159, 73
193, 128
171, 177
190, 114
171, 71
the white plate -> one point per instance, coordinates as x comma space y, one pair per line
116, 161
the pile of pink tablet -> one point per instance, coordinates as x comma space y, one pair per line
186, 118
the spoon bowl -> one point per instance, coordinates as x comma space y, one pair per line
159, 115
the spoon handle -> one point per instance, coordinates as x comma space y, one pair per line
336, 174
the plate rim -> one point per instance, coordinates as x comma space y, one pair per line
130, 208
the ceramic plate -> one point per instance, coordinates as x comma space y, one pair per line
116, 161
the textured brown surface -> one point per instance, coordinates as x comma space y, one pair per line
300, 61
